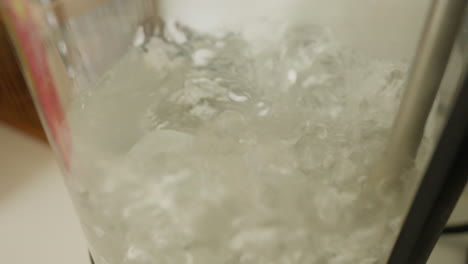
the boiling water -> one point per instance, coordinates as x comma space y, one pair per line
228, 148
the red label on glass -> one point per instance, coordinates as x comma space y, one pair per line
33, 54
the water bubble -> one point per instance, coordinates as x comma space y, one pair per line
292, 76
139, 38
202, 57
237, 97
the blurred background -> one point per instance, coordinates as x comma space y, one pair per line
37, 221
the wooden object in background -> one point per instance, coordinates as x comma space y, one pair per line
16, 105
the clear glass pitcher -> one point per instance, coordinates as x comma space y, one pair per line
240, 131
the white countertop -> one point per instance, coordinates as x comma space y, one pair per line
37, 221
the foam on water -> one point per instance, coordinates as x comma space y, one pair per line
203, 149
